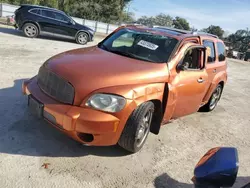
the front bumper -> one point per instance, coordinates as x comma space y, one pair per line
77, 121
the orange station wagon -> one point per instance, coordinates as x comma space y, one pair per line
130, 84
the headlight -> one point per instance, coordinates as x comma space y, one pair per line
106, 102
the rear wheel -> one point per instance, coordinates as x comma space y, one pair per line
214, 99
82, 38
137, 128
30, 30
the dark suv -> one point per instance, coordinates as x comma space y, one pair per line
35, 20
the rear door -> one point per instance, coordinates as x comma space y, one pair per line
221, 56
212, 62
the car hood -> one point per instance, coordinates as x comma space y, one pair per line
83, 27
89, 69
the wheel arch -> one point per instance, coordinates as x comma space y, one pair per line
33, 22
160, 107
221, 79
84, 31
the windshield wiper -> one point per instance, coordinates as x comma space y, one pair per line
104, 47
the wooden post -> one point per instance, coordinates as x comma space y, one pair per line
107, 31
96, 26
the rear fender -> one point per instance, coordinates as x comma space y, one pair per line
220, 77
33, 22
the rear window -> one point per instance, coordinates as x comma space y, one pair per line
221, 51
210, 49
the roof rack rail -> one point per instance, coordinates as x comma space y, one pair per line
40, 6
204, 33
172, 29
186, 31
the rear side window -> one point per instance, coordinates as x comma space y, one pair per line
48, 14
221, 51
210, 50
34, 11
54, 15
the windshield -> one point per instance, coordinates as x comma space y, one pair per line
140, 45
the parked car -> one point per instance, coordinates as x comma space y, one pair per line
247, 55
35, 20
131, 83
11, 20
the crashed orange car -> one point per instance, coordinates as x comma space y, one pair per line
130, 84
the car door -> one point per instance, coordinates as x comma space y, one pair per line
67, 26
190, 82
49, 23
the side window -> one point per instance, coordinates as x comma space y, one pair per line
221, 51
35, 11
192, 59
124, 40
48, 14
210, 50
55, 15
61, 17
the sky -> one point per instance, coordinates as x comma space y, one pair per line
231, 15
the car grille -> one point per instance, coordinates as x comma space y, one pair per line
55, 86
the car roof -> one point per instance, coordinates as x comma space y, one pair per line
43, 7
172, 32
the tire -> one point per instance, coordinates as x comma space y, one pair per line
82, 38
214, 99
30, 30
137, 128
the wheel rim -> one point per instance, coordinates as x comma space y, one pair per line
82, 38
144, 128
30, 31
215, 97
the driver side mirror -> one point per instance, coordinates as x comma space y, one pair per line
71, 22
217, 168
182, 66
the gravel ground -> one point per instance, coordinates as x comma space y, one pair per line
167, 160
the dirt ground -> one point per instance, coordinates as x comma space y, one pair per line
167, 160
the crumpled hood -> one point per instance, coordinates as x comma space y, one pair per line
89, 69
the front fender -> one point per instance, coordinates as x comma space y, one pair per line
220, 77
137, 94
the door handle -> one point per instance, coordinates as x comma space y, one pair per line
214, 71
200, 80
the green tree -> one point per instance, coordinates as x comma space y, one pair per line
240, 40
215, 30
181, 23
127, 17
100, 10
160, 20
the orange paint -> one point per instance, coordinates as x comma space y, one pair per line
94, 70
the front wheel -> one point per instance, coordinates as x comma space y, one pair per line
137, 128
82, 38
214, 99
